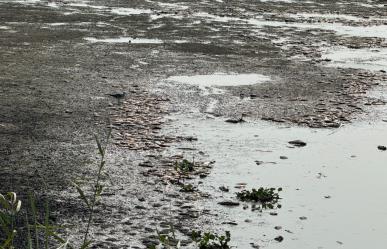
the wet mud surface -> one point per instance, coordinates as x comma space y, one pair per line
61, 59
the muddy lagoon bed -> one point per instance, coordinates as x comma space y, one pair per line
263, 120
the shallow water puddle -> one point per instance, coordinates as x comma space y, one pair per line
332, 195
220, 79
124, 40
130, 11
356, 31
369, 59
326, 16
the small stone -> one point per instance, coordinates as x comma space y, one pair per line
277, 227
279, 238
254, 246
303, 218
235, 121
297, 143
248, 221
233, 223
382, 147
224, 189
229, 203
283, 157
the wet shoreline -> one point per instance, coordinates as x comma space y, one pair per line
284, 67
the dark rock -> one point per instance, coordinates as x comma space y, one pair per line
235, 120
230, 223
146, 164
279, 238
224, 189
283, 157
382, 147
297, 143
229, 203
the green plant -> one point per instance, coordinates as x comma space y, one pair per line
48, 230
167, 240
267, 197
97, 189
188, 188
9, 208
184, 166
211, 240
40, 234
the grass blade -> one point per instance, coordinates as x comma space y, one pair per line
46, 224
29, 238
82, 194
35, 220
101, 151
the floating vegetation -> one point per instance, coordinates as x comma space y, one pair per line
188, 188
185, 166
211, 240
267, 197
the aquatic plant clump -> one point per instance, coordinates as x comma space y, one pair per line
211, 240
267, 197
185, 166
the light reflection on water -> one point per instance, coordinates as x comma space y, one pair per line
337, 181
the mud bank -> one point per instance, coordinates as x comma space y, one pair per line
291, 62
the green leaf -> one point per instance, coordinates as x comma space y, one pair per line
46, 224
4, 203
101, 151
18, 206
33, 209
8, 242
82, 195
29, 238
5, 223
63, 246
60, 240
99, 190
86, 244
